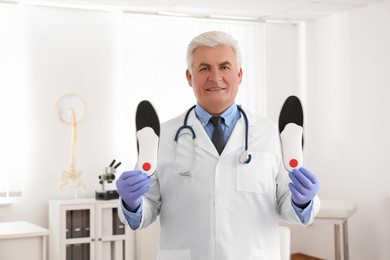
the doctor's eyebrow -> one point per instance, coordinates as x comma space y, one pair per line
203, 65
225, 63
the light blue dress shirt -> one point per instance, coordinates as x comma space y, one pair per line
230, 117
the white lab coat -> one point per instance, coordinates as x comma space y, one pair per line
225, 210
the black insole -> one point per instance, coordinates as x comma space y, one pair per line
146, 116
291, 113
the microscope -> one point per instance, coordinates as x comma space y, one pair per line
108, 177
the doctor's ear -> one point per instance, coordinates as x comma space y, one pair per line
240, 75
189, 77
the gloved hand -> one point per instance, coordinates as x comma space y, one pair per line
131, 187
304, 186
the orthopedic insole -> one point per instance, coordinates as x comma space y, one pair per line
148, 135
291, 133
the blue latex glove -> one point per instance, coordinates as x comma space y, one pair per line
304, 186
131, 187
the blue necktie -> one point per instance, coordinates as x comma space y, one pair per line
217, 137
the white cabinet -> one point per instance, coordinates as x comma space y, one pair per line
88, 229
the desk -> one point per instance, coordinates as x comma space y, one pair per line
337, 213
22, 229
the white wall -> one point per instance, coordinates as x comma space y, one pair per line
347, 126
282, 66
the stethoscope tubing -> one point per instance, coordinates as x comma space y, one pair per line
246, 127
185, 126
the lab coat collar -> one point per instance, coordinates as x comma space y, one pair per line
202, 139
236, 140
229, 115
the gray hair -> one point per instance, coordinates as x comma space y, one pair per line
212, 39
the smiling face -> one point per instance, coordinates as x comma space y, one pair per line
214, 78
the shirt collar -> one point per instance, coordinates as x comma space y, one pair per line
228, 115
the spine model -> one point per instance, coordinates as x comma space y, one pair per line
71, 177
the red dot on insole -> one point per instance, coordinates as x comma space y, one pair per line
146, 166
293, 163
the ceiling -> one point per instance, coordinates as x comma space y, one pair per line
256, 10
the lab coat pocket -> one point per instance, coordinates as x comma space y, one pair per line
257, 176
174, 255
261, 254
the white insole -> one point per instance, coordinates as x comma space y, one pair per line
291, 139
148, 150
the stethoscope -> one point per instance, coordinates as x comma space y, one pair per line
245, 157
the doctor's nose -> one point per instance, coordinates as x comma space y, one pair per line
215, 76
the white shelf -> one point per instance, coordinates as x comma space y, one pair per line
5, 202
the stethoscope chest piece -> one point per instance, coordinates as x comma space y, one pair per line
245, 157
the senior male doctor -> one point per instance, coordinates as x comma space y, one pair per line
211, 205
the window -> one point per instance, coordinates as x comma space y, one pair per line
12, 102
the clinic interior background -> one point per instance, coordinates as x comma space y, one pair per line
338, 65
